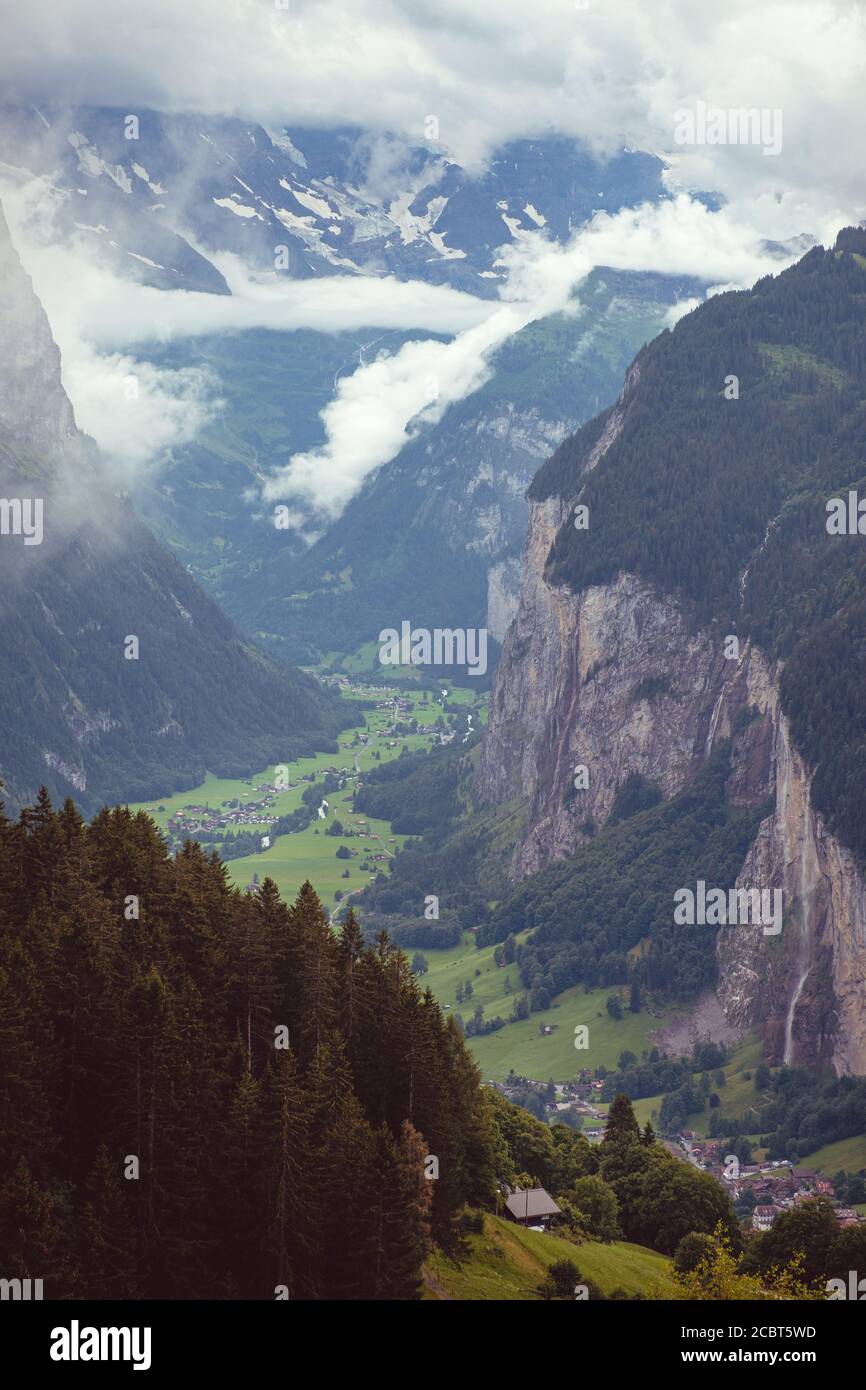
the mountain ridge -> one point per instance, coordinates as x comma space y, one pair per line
76, 713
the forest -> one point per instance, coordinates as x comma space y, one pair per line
207, 1094
212, 1094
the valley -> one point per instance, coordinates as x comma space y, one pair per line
432, 734
207, 812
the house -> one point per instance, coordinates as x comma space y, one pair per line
847, 1216
825, 1187
785, 1187
531, 1206
763, 1217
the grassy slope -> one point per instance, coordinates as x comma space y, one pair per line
508, 1263
738, 1096
519, 1045
849, 1154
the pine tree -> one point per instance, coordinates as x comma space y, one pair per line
621, 1126
105, 1239
317, 953
291, 1205
30, 1234
404, 1195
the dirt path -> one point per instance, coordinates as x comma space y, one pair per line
437, 1288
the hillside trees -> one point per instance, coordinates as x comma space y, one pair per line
210, 1094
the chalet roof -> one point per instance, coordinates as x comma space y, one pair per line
531, 1202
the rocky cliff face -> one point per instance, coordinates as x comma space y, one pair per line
617, 680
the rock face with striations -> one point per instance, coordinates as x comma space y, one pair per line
620, 677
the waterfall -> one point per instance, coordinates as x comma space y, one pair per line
715, 719
807, 879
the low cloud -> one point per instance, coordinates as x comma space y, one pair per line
135, 410
610, 72
383, 404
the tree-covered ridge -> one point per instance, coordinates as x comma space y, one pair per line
461, 855
207, 1094
721, 499
603, 916
807, 1110
616, 894
281, 1088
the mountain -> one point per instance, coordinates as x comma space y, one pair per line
161, 198
157, 194
700, 626
272, 387
75, 712
434, 535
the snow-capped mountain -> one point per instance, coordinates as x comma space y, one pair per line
159, 194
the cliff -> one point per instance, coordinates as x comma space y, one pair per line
629, 676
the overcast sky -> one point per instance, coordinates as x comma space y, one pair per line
612, 72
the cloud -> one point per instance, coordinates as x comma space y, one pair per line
135, 410
607, 71
383, 404
610, 72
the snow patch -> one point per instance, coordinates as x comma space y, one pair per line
239, 208
314, 204
91, 163
450, 253
413, 226
283, 142
146, 260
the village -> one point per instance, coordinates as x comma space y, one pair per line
257, 808
777, 1186
774, 1186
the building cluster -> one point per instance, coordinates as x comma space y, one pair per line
776, 1186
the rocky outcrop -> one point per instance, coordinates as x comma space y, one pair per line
617, 679
503, 595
